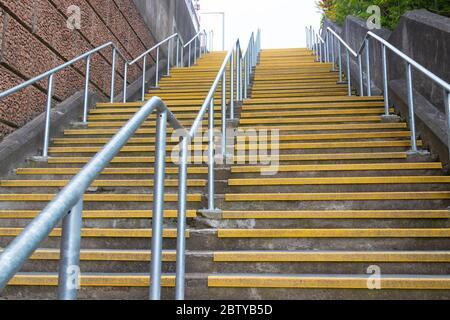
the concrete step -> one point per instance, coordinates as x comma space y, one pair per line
284, 262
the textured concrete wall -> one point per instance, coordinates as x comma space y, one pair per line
425, 37
34, 38
155, 13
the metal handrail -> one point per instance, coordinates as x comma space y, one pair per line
331, 34
50, 75
143, 57
364, 50
196, 39
67, 205
208, 106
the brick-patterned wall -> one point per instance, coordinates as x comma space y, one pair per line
34, 38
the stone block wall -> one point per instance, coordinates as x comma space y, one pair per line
34, 38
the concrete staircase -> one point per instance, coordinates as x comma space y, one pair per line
346, 198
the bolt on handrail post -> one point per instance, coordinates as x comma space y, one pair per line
158, 206
349, 75
169, 47
340, 61
361, 79
412, 121
385, 80
211, 159
369, 86
47, 117
69, 263
113, 74
157, 69
224, 115
181, 223
144, 71
125, 82
86, 89
232, 86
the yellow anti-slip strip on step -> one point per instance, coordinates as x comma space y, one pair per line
99, 214
330, 145
137, 159
143, 148
252, 122
107, 171
147, 124
313, 113
91, 280
133, 110
97, 183
343, 196
348, 126
100, 197
332, 127
400, 282
312, 100
105, 255
248, 109
100, 233
339, 214
339, 181
284, 137
332, 256
334, 233
342, 167
283, 157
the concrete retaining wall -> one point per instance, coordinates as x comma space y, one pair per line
425, 37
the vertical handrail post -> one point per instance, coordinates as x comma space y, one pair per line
195, 51
48, 111
125, 82
86, 89
237, 72
412, 121
69, 263
158, 206
369, 85
182, 56
340, 61
361, 79
349, 75
333, 55
240, 77
178, 51
245, 77
189, 58
144, 71
320, 49
113, 74
447, 109
224, 115
181, 228
157, 69
169, 53
232, 87
211, 159
385, 81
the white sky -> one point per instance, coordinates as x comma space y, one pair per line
282, 22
